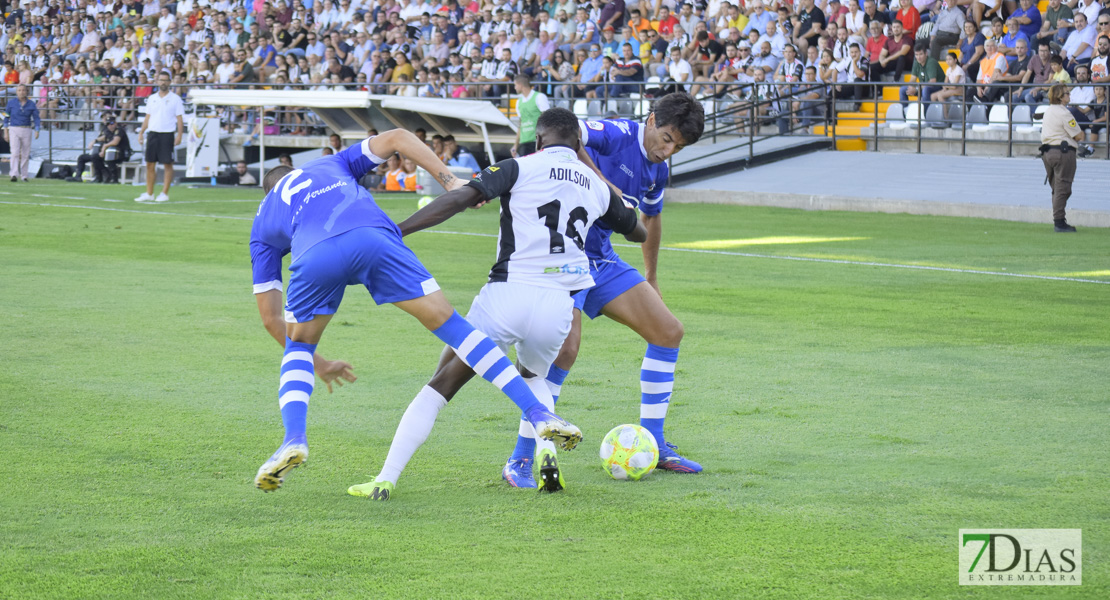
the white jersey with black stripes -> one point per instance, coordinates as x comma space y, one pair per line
549, 200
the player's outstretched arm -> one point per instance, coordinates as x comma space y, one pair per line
443, 208
270, 309
490, 183
404, 142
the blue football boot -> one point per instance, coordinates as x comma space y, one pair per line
670, 460
519, 473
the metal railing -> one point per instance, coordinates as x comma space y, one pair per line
1009, 111
733, 110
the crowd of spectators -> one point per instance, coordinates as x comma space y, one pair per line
752, 49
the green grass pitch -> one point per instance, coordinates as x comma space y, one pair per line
852, 414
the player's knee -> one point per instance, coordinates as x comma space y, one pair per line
671, 334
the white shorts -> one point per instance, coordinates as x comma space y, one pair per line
532, 319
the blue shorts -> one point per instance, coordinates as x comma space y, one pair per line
372, 256
611, 279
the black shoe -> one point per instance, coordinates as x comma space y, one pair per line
15, 179
1063, 227
551, 480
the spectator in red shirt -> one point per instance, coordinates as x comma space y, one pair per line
667, 21
897, 54
875, 46
910, 18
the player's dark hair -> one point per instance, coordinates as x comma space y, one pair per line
273, 176
558, 125
681, 111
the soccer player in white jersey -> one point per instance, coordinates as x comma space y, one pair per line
338, 236
549, 200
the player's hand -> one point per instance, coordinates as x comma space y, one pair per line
37, 132
334, 371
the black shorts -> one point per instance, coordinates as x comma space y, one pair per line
159, 148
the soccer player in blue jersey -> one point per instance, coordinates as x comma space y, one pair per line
338, 236
633, 157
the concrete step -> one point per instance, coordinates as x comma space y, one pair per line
869, 107
849, 131
850, 145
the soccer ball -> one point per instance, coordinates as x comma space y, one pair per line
426, 200
629, 452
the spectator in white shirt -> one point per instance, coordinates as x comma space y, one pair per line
165, 19
112, 52
1078, 47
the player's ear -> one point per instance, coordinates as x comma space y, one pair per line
539, 139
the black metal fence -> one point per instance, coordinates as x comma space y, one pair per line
743, 113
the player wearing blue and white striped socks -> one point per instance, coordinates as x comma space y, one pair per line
518, 469
297, 381
656, 386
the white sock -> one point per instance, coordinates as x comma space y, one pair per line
413, 429
543, 394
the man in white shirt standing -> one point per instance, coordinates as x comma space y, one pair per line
164, 111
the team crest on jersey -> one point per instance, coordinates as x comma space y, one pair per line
595, 125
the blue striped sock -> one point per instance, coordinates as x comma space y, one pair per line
481, 354
297, 379
555, 379
525, 439
656, 385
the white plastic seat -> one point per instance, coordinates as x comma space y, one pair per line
999, 119
581, 108
913, 113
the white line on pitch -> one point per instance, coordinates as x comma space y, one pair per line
669, 249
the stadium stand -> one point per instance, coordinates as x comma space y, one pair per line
88, 59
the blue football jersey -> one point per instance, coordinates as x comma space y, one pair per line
617, 148
318, 201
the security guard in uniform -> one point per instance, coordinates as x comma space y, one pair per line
1060, 136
